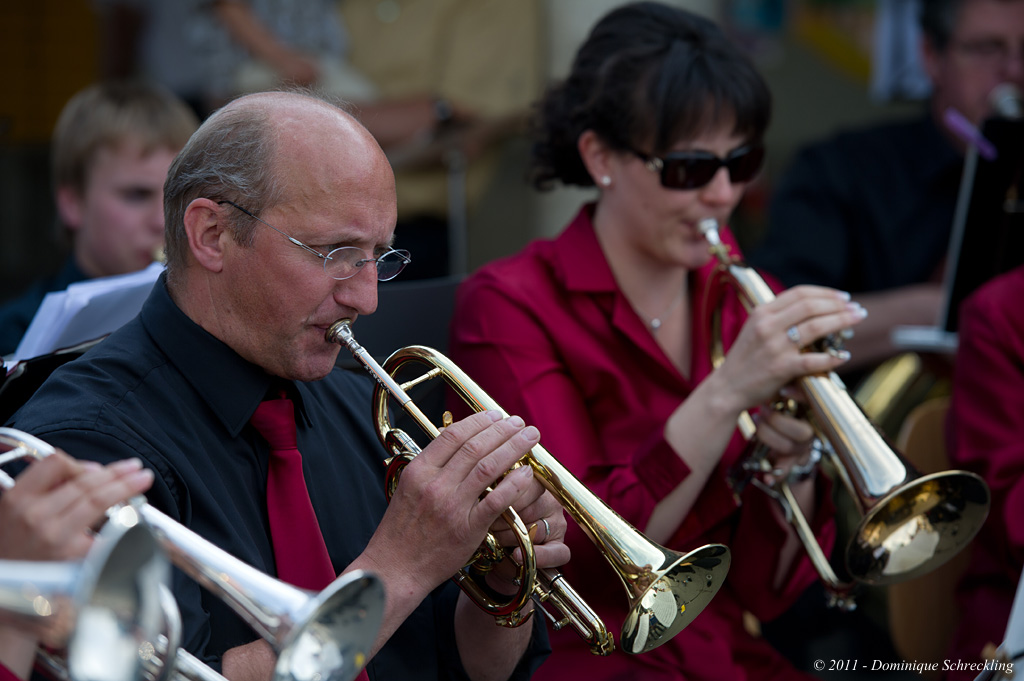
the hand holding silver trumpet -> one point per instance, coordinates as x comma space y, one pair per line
912, 523
95, 612
316, 636
71, 575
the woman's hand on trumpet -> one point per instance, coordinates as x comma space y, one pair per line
57, 500
773, 347
788, 437
771, 350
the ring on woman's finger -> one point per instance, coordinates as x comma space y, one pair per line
793, 334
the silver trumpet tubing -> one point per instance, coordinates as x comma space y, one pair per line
325, 636
911, 523
666, 589
95, 613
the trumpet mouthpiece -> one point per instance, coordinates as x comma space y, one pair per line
1006, 101
709, 228
339, 331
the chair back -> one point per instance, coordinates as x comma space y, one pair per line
923, 611
24, 378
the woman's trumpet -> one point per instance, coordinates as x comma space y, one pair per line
666, 590
317, 636
98, 611
912, 524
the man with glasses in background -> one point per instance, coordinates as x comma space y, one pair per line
871, 211
280, 216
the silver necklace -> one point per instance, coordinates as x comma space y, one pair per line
654, 323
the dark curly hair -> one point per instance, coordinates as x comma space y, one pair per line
647, 76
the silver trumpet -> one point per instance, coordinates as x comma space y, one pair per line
162, 658
96, 612
911, 523
323, 636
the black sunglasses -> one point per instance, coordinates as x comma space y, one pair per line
693, 169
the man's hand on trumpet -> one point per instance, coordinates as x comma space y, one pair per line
440, 514
546, 525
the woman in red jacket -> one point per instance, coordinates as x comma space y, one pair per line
598, 338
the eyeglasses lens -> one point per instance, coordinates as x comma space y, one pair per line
391, 264
690, 170
345, 262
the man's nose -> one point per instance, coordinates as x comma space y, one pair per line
358, 292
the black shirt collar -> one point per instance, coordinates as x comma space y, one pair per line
231, 386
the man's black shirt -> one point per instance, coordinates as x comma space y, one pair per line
867, 210
163, 389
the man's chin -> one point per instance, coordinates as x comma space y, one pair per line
316, 364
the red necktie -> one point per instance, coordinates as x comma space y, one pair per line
299, 548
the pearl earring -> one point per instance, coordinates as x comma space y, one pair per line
606, 181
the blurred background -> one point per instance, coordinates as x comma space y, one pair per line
830, 63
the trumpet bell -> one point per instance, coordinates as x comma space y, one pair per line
98, 611
301, 626
124, 610
684, 586
917, 527
343, 620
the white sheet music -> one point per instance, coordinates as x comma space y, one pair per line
84, 311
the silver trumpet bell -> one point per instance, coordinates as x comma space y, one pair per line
911, 523
98, 611
162, 658
325, 636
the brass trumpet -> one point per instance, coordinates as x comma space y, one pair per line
321, 636
911, 523
666, 589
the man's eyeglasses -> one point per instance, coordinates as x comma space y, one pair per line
346, 261
694, 169
990, 52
